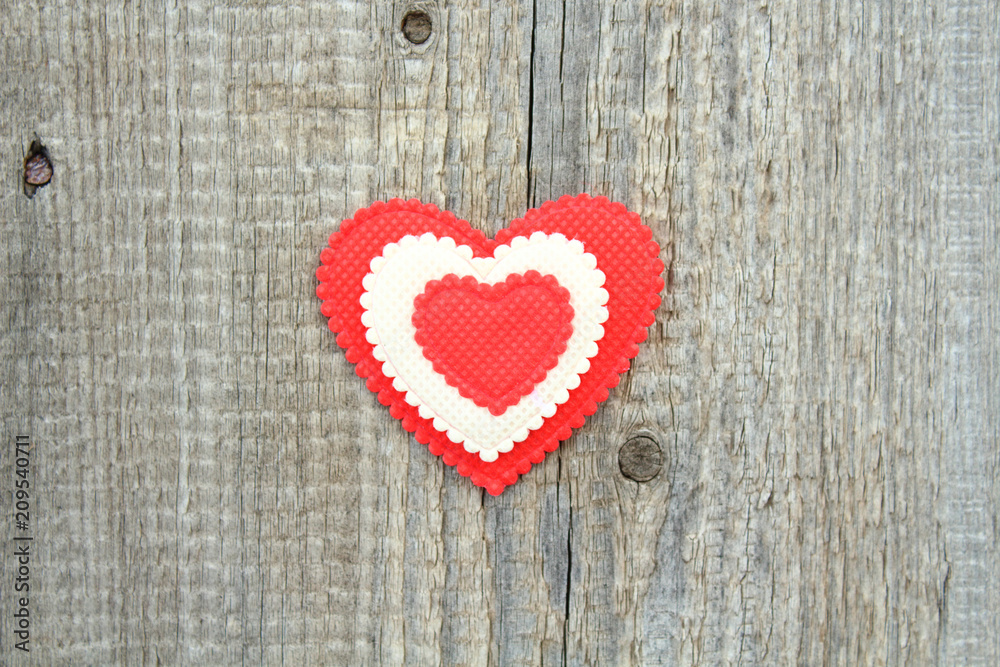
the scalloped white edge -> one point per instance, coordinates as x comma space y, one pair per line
482, 268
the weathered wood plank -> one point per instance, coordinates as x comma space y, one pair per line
212, 484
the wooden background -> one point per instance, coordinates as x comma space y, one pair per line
212, 484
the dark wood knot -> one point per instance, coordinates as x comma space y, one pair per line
37, 168
640, 458
416, 27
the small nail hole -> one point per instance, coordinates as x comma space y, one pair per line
416, 27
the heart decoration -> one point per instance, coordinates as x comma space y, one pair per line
493, 343
491, 351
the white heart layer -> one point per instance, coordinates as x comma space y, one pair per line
402, 272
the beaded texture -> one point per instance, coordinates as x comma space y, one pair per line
404, 284
626, 257
493, 342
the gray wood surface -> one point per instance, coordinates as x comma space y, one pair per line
213, 485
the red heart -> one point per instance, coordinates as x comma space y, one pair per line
625, 253
493, 343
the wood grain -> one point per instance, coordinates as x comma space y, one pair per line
213, 485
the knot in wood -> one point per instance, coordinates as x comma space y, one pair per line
640, 458
37, 168
416, 27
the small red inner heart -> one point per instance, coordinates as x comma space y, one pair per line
494, 343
